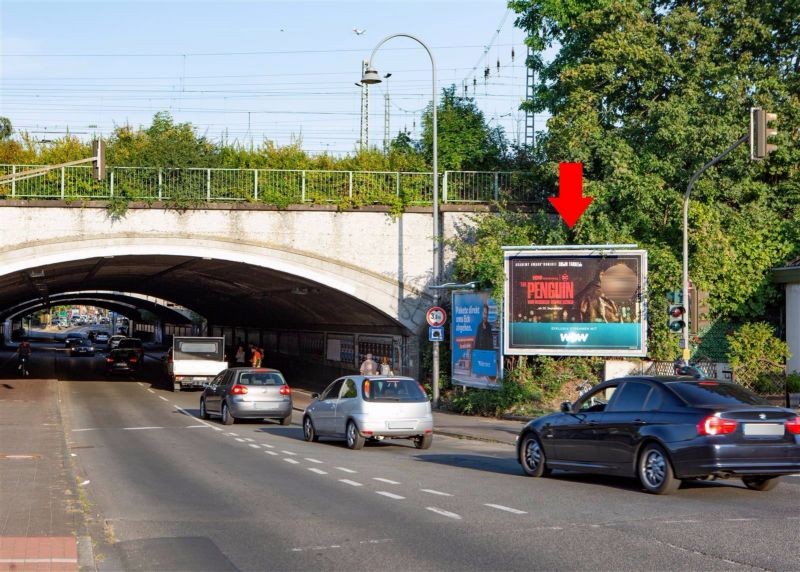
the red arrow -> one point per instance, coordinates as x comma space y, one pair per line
570, 202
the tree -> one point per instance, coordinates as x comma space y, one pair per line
643, 93
466, 141
5, 128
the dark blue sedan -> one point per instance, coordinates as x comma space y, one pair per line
664, 430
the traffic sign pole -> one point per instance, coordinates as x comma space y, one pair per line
436, 317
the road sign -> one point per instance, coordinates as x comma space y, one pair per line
435, 334
436, 316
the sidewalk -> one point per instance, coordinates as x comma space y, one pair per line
40, 513
453, 425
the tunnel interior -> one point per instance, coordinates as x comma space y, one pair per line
235, 299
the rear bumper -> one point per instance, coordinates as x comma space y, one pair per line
257, 409
738, 459
394, 428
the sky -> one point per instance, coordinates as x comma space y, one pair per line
254, 70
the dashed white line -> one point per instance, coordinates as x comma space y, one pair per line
446, 513
249, 440
163, 398
387, 481
86, 429
150, 390
140, 383
267, 446
679, 521
318, 471
253, 445
346, 470
433, 492
505, 508
351, 483
310, 460
139, 428
232, 434
740, 519
289, 453
273, 453
390, 495
196, 426
182, 410
240, 440
292, 461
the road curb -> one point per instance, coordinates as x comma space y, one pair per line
86, 561
471, 437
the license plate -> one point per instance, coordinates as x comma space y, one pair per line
407, 424
763, 429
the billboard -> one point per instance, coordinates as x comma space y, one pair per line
575, 302
475, 334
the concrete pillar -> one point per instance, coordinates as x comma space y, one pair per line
793, 326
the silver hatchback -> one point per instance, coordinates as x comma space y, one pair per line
247, 393
358, 408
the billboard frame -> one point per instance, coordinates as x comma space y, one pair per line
510, 252
454, 380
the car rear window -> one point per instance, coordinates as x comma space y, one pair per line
199, 350
130, 343
716, 393
392, 390
261, 378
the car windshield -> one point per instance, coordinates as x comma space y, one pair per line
261, 378
392, 390
716, 393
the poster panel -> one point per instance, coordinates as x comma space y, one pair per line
575, 302
475, 340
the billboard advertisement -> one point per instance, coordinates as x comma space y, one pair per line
475, 334
575, 302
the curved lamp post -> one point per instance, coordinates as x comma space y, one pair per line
371, 76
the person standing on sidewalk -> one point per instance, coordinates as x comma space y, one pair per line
369, 367
23, 354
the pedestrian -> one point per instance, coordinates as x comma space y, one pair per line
386, 369
240, 354
260, 351
369, 367
255, 356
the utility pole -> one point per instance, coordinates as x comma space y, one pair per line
530, 117
364, 139
386, 135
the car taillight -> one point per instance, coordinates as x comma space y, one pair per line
110, 359
133, 359
713, 425
793, 426
285, 390
238, 389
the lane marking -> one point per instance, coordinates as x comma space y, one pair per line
273, 453
253, 445
310, 460
351, 483
139, 428
289, 453
150, 390
140, 383
678, 521
390, 495
249, 440
505, 508
38, 560
433, 492
292, 461
240, 440
182, 410
87, 429
232, 434
267, 446
318, 471
376, 541
162, 397
352, 472
740, 519
446, 513
196, 426
387, 481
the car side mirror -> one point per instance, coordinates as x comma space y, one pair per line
315, 396
566, 407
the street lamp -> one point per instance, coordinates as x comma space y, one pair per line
369, 77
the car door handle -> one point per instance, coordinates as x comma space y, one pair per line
639, 422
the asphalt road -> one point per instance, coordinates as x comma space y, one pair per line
170, 492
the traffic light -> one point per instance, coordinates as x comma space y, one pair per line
760, 133
677, 318
99, 163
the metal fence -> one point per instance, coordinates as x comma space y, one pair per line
271, 186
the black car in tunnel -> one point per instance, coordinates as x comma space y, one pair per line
123, 361
663, 430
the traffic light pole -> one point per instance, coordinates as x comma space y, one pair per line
685, 334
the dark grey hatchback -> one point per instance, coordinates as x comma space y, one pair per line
663, 430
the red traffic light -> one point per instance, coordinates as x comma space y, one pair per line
677, 312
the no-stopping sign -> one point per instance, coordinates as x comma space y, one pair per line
436, 316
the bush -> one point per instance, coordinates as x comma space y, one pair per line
756, 343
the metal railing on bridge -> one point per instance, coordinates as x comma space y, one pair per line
271, 186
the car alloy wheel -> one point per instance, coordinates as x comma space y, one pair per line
354, 438
532, 457
309, 434
227, 418
655, 471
